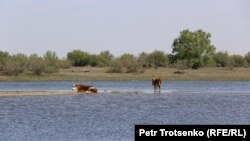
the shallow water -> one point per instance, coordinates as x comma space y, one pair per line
134, 86
109, 116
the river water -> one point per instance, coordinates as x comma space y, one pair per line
112, 114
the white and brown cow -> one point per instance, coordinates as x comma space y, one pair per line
80, 88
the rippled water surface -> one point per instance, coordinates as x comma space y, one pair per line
112, 114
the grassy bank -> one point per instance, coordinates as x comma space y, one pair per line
100, 74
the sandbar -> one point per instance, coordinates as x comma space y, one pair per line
35, 93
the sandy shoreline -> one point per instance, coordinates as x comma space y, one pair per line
35, 93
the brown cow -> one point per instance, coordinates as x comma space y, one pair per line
156, 82
80, 88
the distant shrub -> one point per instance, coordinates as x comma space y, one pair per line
126, 63
104, 59
158, 59
3, 57
143, 60
115, 67
247, 59
36, 64
52, 62
15, 64
237, 60
221, 59
79, 58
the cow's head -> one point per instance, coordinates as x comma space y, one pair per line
74, 88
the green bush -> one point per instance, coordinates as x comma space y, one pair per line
237, 60
126, 63
104, 59
15, 64
37, 64
79, 58
143, 60
3, 57
247, 59
51, 61
115, 67
158, 59
221, 59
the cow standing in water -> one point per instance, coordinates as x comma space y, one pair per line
156, 82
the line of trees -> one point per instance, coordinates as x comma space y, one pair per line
50, 63
19, 63
189, 50
130, 63
125, 63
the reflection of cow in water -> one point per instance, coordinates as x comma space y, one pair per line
84, 89
156, 82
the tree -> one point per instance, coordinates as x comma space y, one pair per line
125, 63
51, 61
15, 64
129, 63
104, 59
158, 59
3, 56
51, 58
194, 48
238, 60
37, 64
221, 59
79, 58
143, 59
247, 59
